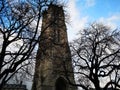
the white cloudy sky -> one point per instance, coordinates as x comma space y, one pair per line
84, 12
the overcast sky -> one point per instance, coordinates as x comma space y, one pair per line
84, 12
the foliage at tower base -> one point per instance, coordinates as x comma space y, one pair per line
96, 57
19, 35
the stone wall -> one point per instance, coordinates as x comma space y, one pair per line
54, 53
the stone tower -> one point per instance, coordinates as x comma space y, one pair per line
53, 61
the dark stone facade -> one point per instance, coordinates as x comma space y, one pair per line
53, 61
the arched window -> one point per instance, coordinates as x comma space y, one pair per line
61, 84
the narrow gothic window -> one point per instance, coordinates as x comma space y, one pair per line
61, 84
57, 36
56, 23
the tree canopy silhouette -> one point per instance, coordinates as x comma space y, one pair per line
96, 56
19, 34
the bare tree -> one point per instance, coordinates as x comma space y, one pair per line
96, 57
19, 35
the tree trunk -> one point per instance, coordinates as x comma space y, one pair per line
97, 85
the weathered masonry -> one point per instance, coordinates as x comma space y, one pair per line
53, 61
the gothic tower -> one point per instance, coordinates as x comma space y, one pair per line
53, 63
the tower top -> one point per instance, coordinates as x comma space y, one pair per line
53, 25
53, 8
